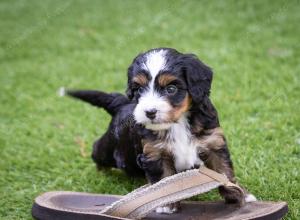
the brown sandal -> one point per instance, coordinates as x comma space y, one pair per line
141, 202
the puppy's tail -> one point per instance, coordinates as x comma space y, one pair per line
111, 102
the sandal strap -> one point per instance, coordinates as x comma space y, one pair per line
143, 200
222, 178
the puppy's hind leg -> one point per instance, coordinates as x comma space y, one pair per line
103, 152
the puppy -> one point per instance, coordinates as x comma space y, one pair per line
166, 124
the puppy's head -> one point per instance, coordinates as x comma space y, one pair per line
165, 83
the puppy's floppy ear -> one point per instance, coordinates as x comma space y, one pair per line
198, 77
129, 93
129, 90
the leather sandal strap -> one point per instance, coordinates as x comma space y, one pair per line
143, 200
219, 177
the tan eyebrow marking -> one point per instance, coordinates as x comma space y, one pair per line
141, 79
166, 79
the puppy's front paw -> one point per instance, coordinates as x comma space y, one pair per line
168, 209
232, 195
141, 161
146, 163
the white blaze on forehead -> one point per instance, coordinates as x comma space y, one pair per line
155, 61
150, 99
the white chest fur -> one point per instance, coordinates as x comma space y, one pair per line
183, 146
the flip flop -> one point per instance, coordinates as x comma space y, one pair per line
141, 202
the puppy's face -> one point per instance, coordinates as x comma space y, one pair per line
160, 81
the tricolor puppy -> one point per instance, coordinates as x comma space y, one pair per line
166, 124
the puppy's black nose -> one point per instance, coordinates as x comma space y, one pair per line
151, 113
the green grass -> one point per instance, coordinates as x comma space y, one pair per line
45, 141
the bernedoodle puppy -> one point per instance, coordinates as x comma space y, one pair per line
165, 124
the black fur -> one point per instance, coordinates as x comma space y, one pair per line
110, 102
121, 146
152, 168
195, 76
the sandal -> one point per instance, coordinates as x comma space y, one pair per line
141, 202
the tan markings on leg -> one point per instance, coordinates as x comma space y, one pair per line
141, 79
219, 164
215, 156
151, 151
168, 165
211, 142
166, 79
212, 139
154, 152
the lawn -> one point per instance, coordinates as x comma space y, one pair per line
45, 140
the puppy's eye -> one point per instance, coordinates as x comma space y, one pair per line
171, 89
141, 90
